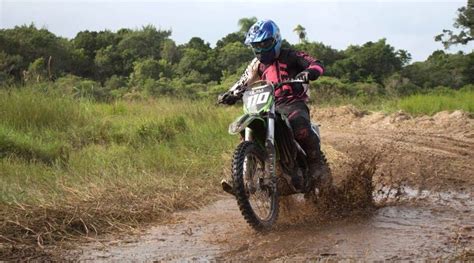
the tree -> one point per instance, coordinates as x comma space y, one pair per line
140, 44
245, 24
198, 44
440, 69
233, 55
109, 62
30, 44
324, 53
371, 61
86, 45
464, 22
196, 65
169, 51
301, 32
146, 69
9, 67
230, 38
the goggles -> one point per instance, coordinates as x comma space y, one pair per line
263, 46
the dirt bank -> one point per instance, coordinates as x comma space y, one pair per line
433, 153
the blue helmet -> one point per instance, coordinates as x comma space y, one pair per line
265, 39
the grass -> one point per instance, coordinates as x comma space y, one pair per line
419, 104
70, 168
432, 103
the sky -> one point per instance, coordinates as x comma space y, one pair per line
408, 25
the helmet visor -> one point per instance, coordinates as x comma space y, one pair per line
263, 46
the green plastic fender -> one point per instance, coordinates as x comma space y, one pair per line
243, 121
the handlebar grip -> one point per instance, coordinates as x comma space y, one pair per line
291, 81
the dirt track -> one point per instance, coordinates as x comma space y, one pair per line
425, 176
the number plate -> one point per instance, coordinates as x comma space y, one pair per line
258, 99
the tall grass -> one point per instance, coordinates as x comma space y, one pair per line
420, 104
30, 110
438, 101
72, 167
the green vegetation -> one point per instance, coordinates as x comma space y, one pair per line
445, 100
147, 62
464, 23
371, 96
109, 165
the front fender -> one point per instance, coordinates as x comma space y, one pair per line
243, 122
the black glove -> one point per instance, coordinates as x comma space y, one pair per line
303, 75
227, 98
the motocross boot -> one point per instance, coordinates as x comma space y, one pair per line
298, 182
315, 169
318, 174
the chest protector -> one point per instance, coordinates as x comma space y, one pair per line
280, 70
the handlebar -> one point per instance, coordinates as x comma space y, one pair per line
290, 81
231, 99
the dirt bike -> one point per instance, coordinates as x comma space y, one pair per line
267, 159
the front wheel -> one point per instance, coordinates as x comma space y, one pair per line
256, 197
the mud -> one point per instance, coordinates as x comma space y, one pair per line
405, 191
421, 227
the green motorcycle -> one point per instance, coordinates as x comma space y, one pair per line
267, 159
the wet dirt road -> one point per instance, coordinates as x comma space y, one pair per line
424, 208
425, 225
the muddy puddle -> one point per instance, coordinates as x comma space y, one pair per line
406, 224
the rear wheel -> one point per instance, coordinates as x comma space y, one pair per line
257, 199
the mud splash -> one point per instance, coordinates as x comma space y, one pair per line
354, 194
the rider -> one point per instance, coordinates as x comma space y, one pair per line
277, 64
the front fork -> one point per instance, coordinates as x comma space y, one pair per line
270, 176
270, 149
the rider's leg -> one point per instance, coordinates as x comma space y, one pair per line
298, 115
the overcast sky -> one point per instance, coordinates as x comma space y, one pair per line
409, 25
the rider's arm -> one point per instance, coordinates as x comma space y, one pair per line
250, 75
307, 63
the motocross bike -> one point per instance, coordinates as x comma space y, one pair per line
268, 157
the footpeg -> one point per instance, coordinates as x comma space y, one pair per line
227, 187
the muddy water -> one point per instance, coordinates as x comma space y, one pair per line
410, 224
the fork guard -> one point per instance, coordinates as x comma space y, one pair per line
243, 122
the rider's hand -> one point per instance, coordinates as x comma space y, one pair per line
303, 75
227, 98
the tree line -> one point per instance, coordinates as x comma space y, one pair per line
148, 61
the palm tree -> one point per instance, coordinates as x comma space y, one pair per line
301, 32
246, 23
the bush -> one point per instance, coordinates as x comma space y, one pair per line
159, 87
162, 131
82, 88
116, 82
442, 90
30, 148
398, 86
469, 87
366, 89
327, 88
